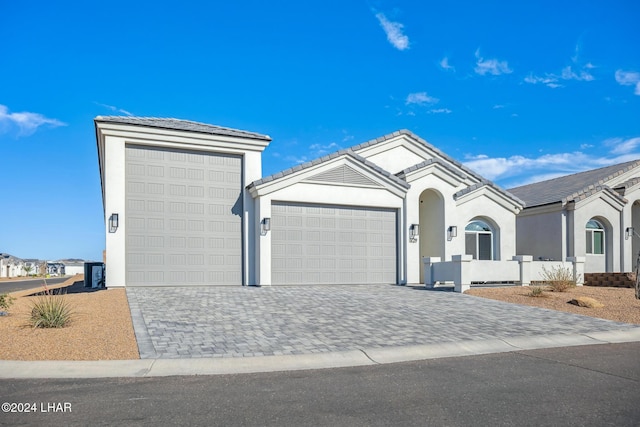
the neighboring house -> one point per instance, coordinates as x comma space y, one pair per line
55, 268
587, 214
11, 266
33, 267
71, 268
185, 204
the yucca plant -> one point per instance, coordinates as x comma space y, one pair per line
50, 311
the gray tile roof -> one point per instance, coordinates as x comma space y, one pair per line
621, 188
434, 160
178, 124
571, 187
326, 158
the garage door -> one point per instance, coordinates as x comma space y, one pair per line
322, 244
183, 217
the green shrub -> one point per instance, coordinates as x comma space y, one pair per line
50, 311
559, 278
6, 301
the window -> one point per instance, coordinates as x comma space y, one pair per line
479, 240
595, 237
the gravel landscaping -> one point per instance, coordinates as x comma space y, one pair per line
620, 304
100, 329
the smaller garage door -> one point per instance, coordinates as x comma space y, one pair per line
325, 244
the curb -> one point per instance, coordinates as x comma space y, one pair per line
245, 365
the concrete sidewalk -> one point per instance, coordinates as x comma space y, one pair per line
243, 365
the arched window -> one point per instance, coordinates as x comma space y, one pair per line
478, 237
595, 237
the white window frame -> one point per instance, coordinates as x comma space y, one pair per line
487, 230
593, 228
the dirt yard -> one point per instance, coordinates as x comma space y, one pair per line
102, 329
620, 304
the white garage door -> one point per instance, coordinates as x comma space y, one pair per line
183, 217
323, 244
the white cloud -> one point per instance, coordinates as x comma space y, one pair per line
420, 98
500, 168
491, 66
622, 146
629, 78
444, 64
549, 80
26, 122
569, 74
394, 32
114, 109
440, 111
319, 150
498, 106
519, 170
585, 146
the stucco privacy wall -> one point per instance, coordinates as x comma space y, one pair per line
114, 134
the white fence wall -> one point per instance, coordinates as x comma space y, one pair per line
463, 270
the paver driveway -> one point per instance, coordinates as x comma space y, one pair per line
184, 322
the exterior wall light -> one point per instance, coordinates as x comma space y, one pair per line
265, 226
113, 223
629, 233
414, 232
452, 232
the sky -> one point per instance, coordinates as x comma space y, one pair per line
518, 91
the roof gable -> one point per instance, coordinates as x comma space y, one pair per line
343, 168
431, 155
343, 174
567, 188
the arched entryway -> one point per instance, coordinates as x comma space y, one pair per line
432, 228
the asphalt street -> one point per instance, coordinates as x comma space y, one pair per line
593, 385
22, 285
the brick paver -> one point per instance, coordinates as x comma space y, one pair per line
186, 322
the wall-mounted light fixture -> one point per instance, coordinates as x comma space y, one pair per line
452, 232
265, 226
113, 223
628, 233
414, 232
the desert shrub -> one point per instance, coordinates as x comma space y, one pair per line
6, 301
536, 291
50, 311
559, 278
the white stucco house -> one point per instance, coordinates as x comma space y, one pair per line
11, 266
185, 203
590, 214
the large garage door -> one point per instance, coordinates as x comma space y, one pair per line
183, 217
322, 244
